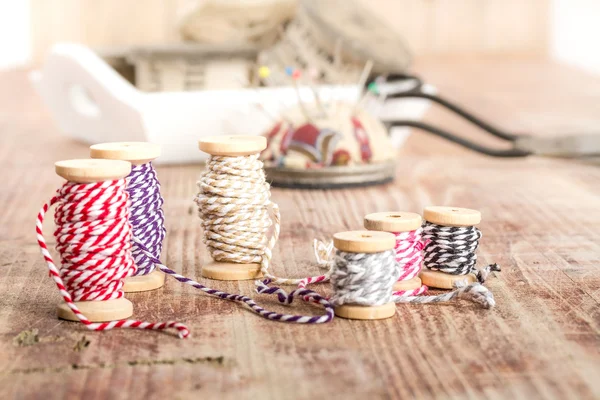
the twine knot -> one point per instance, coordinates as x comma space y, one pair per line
475, 292
483, 273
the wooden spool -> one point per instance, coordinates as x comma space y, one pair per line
448, 216
137, 153
88, 171
232, 146
396, 222
364, 242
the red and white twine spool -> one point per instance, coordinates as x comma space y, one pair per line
93, 237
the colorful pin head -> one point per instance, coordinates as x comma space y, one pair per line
264, 72
293, 72
373, 88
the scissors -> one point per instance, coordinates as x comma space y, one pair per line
401, 86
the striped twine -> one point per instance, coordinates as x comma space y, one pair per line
93, 239
409, 256
452, 250
261, 288
234, 203
435, 248
143, 186
364, 279
237, 213
474, 292
146, 216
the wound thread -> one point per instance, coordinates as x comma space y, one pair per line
452, 250
409, 255
364, 279
93, 238
146, 216
233, 202
234, 205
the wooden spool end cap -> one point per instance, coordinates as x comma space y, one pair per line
393, 221
442, 280
98, 311
452, 216
143, 283
351, 311
136, 153
92, 170
223, 271
233, 146
410, 284
364, 241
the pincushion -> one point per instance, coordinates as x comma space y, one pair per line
344, 142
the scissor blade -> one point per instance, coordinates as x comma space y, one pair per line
561, 146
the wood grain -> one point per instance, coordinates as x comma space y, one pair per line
540, 223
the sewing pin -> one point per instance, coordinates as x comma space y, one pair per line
313, 73
361, 84
295, 75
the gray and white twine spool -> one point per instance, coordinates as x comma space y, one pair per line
364, 278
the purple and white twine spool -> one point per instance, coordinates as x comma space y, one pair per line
146, 217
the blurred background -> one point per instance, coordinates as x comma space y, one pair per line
562, 29
356, 75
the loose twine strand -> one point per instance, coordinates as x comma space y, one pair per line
93, 238
148, 190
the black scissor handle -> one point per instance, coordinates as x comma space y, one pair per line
417, 93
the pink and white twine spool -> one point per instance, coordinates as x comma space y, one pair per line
409, 255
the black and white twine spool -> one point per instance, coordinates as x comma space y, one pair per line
452, 250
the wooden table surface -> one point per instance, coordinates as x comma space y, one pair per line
540, 223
